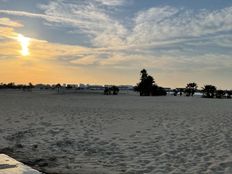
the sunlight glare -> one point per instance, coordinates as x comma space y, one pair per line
24, 42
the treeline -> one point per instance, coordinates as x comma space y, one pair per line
16, 86
148, 87
29, 86
208, 91
12, 85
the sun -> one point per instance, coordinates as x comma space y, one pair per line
24, 42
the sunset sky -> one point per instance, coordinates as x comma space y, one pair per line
110, 41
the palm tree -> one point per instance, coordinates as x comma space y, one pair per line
144, 74
209, 91
190, 89
145, 85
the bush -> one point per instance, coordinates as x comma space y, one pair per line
209, 91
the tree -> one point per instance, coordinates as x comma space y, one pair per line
190, 89
220, 94
112, 90
106, 91
58, 86
115, 90
11, 85
147, 86
229, 94
30, 86
69, 87
158, 91
209, 91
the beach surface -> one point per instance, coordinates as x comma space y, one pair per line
89, 133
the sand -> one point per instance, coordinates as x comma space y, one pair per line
9, 165
86, 133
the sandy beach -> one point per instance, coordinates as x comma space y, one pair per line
86, 133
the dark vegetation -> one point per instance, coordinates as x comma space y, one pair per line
190, 89
114, 90
14, 86
210, 91
148, 87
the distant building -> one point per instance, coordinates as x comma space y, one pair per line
101, 87
126, 87
96, 87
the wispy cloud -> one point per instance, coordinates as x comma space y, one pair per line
90, 19
165, 38
8, 22
152, 28
155, 25
168, 23
112, 2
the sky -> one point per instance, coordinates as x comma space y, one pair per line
110, 41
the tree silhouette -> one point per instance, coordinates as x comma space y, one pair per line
209, 91
158, 91
30, 86
58, 86
229, 94
107, 91
11, 85
112, 90
115, 90
190, 89
147, 86
220, 94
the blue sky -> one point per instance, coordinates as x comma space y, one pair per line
110, 41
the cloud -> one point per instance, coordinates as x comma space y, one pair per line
86, 17
154, 26
85, 60
7, 32
42, 16
90, 19
9, 50
9, 23
112, 2
168, 23
164, 38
